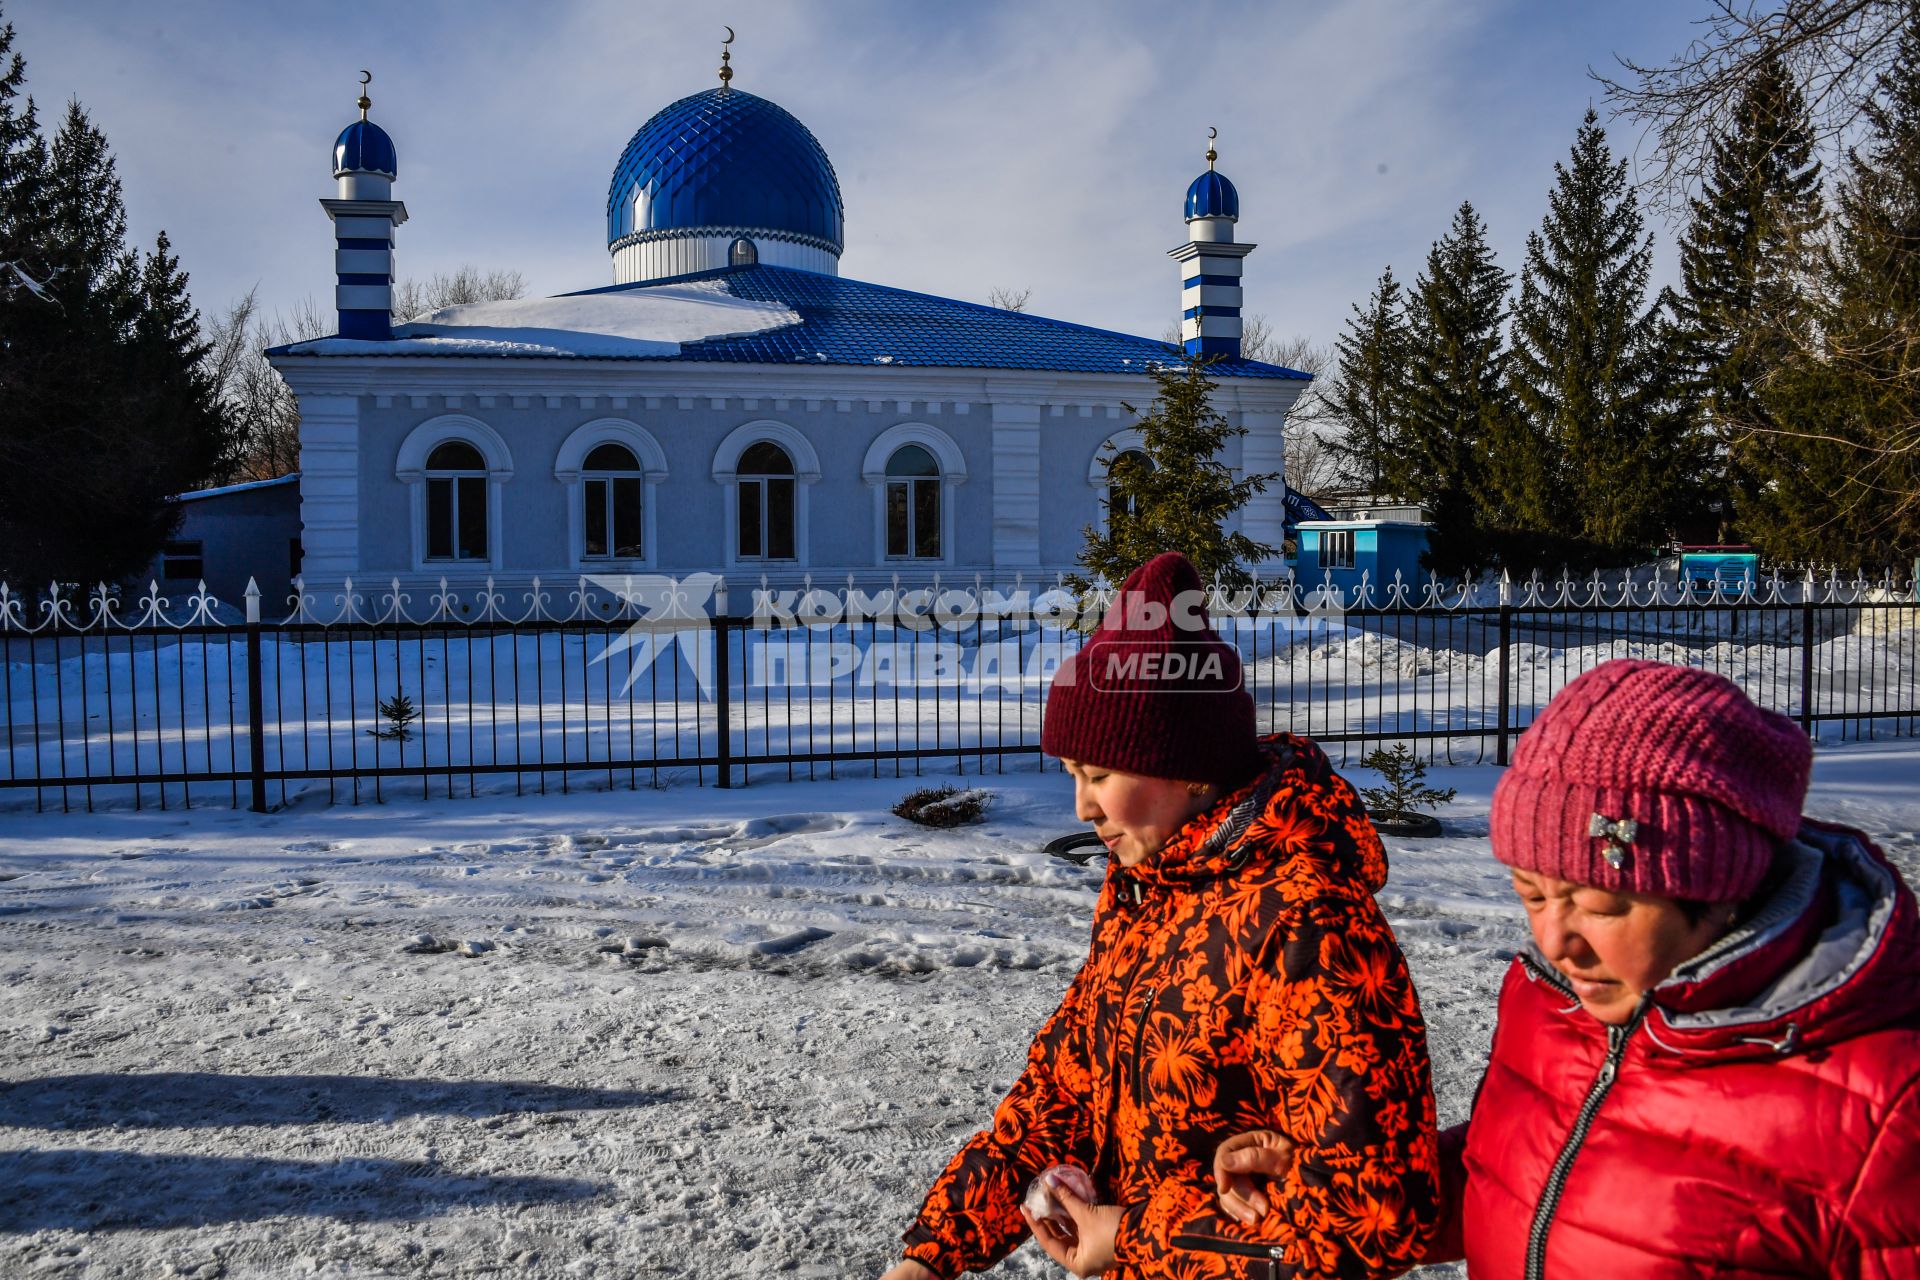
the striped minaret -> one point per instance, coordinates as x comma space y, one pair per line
1210, 265
364, 217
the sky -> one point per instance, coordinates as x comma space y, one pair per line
1039, 146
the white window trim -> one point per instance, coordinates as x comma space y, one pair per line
806, 473
568, 469
1351, 542
1121, 442
410, 466
953, 474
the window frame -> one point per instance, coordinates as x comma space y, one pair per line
197, 557
570, 469
1326, 555
725, 473
411, 468
950, 464
762, 483
911, 487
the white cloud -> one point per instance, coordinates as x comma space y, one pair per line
1028, 145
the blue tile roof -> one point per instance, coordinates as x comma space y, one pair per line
851, 322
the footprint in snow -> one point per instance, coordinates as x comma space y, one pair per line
425, 944
788, 943
311, 846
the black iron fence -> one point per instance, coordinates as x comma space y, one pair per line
649, 681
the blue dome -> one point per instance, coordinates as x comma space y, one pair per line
725, 159
364, 147
1212, 196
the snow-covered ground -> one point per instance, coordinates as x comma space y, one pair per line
682, 1032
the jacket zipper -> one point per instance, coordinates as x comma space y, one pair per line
1238, 1248
1602, 1085
1139, 1044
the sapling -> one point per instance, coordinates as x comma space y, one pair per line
400, 714
1405, 794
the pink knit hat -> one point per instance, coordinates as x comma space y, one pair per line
1647, 778
1155, 691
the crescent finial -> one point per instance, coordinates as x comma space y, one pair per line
366, 78
729, 39
726, 58
1212, 154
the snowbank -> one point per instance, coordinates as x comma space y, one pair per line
646, 322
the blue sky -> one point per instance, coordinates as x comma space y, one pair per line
1027, 145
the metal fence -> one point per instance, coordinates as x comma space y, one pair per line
636, 682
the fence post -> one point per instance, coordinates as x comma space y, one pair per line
723, 679
1506, 635
256, 717
1806, 657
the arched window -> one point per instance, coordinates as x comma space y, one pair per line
611, 494
1120, 502
913, 504
456, 475
765, 527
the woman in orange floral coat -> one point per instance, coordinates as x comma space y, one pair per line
1241, 977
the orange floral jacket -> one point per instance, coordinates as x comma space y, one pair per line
1243, 978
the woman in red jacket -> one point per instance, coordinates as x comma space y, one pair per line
1709, 1061
1240, 974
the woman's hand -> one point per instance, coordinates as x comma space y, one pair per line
1241, 1164
1088, 1249
908, 1269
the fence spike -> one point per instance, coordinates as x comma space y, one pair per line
253, 601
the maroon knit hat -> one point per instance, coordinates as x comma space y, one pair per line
1155, 691
1641, 777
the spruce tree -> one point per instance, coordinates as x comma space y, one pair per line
1743, 311
1849, 410
1368, 399
107, 409
1455, 396
1181, 499
1592, 474
23, 161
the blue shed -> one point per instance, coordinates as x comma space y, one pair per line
230, 534
1346, 549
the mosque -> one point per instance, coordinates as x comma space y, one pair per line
731, 403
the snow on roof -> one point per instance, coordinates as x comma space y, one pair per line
220, 492
653, 323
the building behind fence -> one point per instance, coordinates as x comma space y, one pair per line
625, 682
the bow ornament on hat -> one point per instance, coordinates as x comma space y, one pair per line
1619, 833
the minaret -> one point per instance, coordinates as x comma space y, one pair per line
364, 217
1210, 264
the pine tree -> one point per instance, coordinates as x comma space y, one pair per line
107, 409
1367, 403
1455, 393
1594, 472
1181, 499
1849, 410
1743, 310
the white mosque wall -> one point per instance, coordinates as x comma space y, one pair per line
684, 255
1027, 444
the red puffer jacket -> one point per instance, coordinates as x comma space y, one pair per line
1242, 978
1759, 1117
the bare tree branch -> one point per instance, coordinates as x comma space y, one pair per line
1008, 299
1835, 50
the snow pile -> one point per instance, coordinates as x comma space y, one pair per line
644, 322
